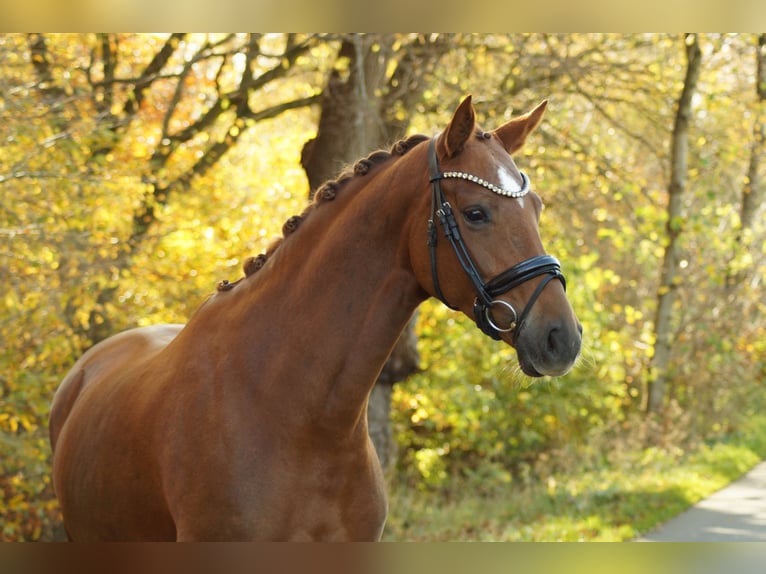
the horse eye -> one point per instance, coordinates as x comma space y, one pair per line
476, 214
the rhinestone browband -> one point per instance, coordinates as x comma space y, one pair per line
490, 186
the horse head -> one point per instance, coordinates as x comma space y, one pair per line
484, 254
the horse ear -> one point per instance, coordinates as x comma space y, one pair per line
460, 128
515, 132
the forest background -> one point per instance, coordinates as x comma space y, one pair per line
137, 171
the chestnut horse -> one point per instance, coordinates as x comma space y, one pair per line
250, 422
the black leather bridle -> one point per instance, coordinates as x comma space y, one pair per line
486, 293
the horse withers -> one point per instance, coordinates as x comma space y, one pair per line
250, 422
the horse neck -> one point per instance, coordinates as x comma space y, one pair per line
317, 323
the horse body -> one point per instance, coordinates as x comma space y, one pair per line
250, 421
221, 395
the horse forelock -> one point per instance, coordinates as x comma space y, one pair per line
326, 193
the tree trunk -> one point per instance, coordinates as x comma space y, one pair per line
666, 294
353, 122
403, 361
350, 124
751, 194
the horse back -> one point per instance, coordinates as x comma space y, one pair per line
109, 356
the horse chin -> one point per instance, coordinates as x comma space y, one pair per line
528, 368
534, 365
531, 371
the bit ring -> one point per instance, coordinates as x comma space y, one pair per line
509, 307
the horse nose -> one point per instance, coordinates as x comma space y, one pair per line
563, 342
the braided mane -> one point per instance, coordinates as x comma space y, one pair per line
326, 192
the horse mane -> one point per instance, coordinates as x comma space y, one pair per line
326, 192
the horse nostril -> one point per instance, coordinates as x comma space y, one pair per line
561, 342
554, 340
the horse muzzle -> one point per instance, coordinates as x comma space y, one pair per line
549, 348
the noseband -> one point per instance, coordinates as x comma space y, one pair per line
486, 293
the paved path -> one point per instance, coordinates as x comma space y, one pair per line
736, 513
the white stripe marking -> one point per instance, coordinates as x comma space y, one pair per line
508, 182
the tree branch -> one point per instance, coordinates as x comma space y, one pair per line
160, 193
151, 72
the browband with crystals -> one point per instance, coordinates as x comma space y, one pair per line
490, 186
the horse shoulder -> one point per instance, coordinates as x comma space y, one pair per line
106, 357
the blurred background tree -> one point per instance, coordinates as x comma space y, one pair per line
139, 170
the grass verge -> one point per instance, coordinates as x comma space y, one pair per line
631, 495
